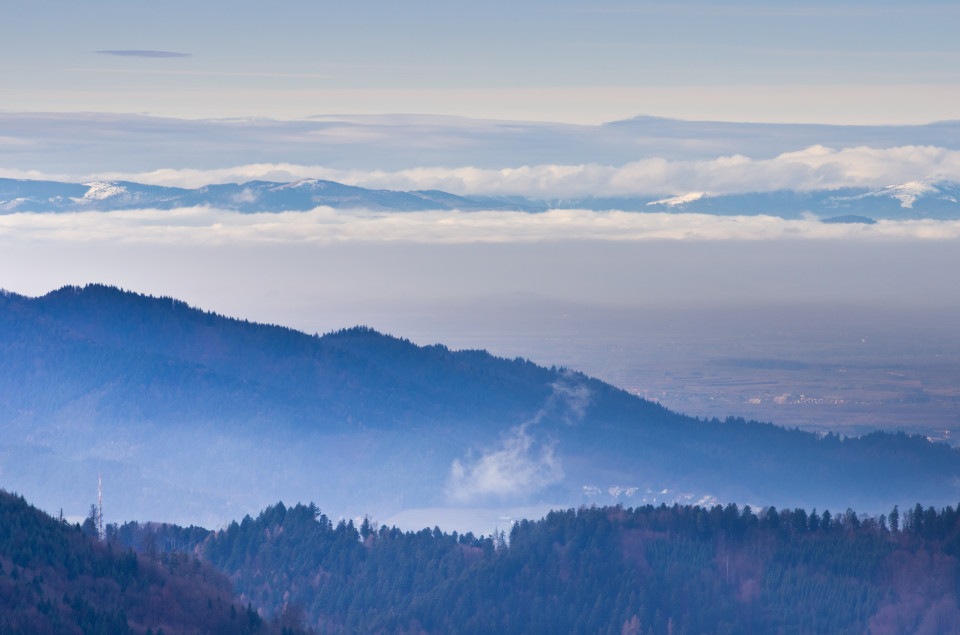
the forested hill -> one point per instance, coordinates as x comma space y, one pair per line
647, 570
206, 416
55, 579
161, 358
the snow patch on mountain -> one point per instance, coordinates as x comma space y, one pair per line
906, 193
312, 183
100, 190
689, 197
11, 205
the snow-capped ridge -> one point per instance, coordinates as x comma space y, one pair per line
100, 190
689, 197
907, 193
298, 184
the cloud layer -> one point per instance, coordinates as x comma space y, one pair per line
814, 168
99, 144
198, 226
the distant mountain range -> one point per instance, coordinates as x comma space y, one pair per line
253, 196
208, 418
914, 200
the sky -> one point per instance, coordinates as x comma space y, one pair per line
564, 61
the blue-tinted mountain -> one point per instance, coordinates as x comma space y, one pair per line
915, 200
937, 201
207, 417
253, 196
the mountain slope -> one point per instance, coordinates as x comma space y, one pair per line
211, 417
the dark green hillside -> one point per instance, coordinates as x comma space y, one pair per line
679, 569
54, 579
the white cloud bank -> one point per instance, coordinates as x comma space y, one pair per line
200, 226
814, 168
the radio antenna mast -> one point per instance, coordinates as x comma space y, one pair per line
100, 504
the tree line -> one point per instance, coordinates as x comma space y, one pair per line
651, 569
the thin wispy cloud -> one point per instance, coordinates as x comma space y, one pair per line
525, 460
519, 465
16, 142
868, 54
158, 71
142, 53
765, 11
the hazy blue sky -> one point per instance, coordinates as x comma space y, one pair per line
840, 62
